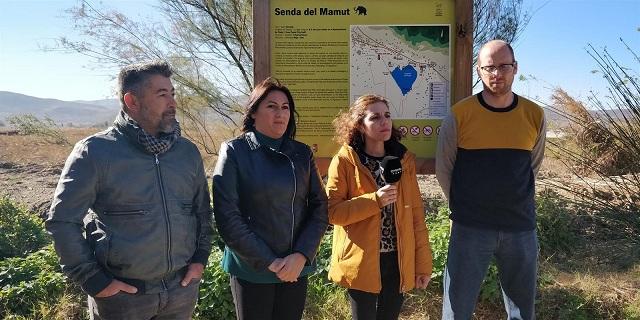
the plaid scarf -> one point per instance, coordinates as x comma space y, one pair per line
154, 145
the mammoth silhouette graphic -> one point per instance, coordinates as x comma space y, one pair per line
361, 10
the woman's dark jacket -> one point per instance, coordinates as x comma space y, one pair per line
268, 204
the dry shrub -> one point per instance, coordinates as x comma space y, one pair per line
204, 126
601, 149
45, 129
597, 149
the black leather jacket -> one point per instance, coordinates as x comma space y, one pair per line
151, 214
268, 204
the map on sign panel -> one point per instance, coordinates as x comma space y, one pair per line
409, 65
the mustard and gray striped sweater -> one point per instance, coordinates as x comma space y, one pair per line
486, 162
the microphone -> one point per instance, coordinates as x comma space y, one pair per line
391, 169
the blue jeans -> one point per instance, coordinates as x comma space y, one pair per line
470, 253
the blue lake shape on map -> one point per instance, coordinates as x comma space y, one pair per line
405, 78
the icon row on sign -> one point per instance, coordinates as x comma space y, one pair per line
415, 130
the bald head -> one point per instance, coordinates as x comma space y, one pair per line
497, 67
492, 47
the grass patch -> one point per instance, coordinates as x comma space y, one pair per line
556, 226
21, 232
26, 283
632, 311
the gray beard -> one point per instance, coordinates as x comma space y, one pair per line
167, 126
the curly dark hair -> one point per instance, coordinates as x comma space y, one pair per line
348, 122
258, 94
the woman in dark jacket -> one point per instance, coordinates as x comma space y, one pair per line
270, 208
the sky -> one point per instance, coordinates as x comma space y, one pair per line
28, 26
552, 47
550, 51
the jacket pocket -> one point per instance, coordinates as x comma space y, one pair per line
128, 251
126, 212
184, 230
113, 211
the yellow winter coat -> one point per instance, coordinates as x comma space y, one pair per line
355, 212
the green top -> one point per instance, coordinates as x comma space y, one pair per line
232, 264
268, 141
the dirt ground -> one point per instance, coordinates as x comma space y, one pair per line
31, 185
30, 168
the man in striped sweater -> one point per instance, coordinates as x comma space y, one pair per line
489, 151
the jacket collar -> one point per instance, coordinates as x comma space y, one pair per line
252, 140
128, 130
393, 148
254, 143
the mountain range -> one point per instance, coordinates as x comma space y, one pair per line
68, 113
82, 113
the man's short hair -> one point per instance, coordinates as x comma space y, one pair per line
507, 44
513, 55
134, 77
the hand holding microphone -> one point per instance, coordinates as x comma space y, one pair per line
391, 173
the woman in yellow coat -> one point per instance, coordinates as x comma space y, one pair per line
380, 239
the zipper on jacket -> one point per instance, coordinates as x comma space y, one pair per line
395, 220
126, 213
166, 213
379, 252
293, 198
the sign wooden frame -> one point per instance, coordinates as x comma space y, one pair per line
462, 61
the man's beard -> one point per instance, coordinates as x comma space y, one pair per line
498, 91
167, 125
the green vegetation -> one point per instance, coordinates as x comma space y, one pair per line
32, 286
21, 232
29, 282
632, 311
325, 300
554, 218
439, 229
215, 300
564, 304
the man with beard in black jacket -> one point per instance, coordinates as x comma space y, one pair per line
131, 216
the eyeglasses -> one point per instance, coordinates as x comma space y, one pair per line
503, 68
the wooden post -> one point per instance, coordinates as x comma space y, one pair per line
464, 50
261, 41
462, 61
